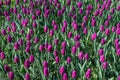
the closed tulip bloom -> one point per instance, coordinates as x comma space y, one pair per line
73, 50
41, 47
103, 41
118, 78
63, 29
49, 48
68, 60
16, 59
107, 31
80, 55
26, 63
55, 53
13, 27
16, 46
69, 34
6, 68
27, 49
65, 23
79, 4
27, 76
86, 56
19, 16
74, 74
118, 52
36, 40
28, 37
57, 59
34, 24
63, 51
56, 41
102, 58
3, 32
31, 58
2, 55
45, 29
113, 30
38, 12
101, 28
104, 65
65, 76
9, 39
62, 70
46, 72
118, 31
51, 33
80, 11
94, 36
11, 75
64, 44
55, 27
106, 23
88, 73
94, 22
21, 42
85, 31
100, 52
77, 44
8, 29
45, 64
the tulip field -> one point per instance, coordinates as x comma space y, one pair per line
59, 39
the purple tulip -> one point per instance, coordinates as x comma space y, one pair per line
103, 41
16, 46
86, 56
100, 52
79, 4
27, 76
102, 58
80, 55
2, 55
46, 72
49, 48
51, 33
16, 59
64, 44
73, 50
63, 51
36, 40
62, 70
31, 58
88, 73
107, 31
118, 52
104, 65
3, 32
45, 64
74, 74
69, 34
94, 36
45, 29
11, 75
68, 60
9, 39
118, 78
6, 68
65, 76
57, 59
101, 28
26, 64
34, 24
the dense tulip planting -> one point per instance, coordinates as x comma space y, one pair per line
60, 40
